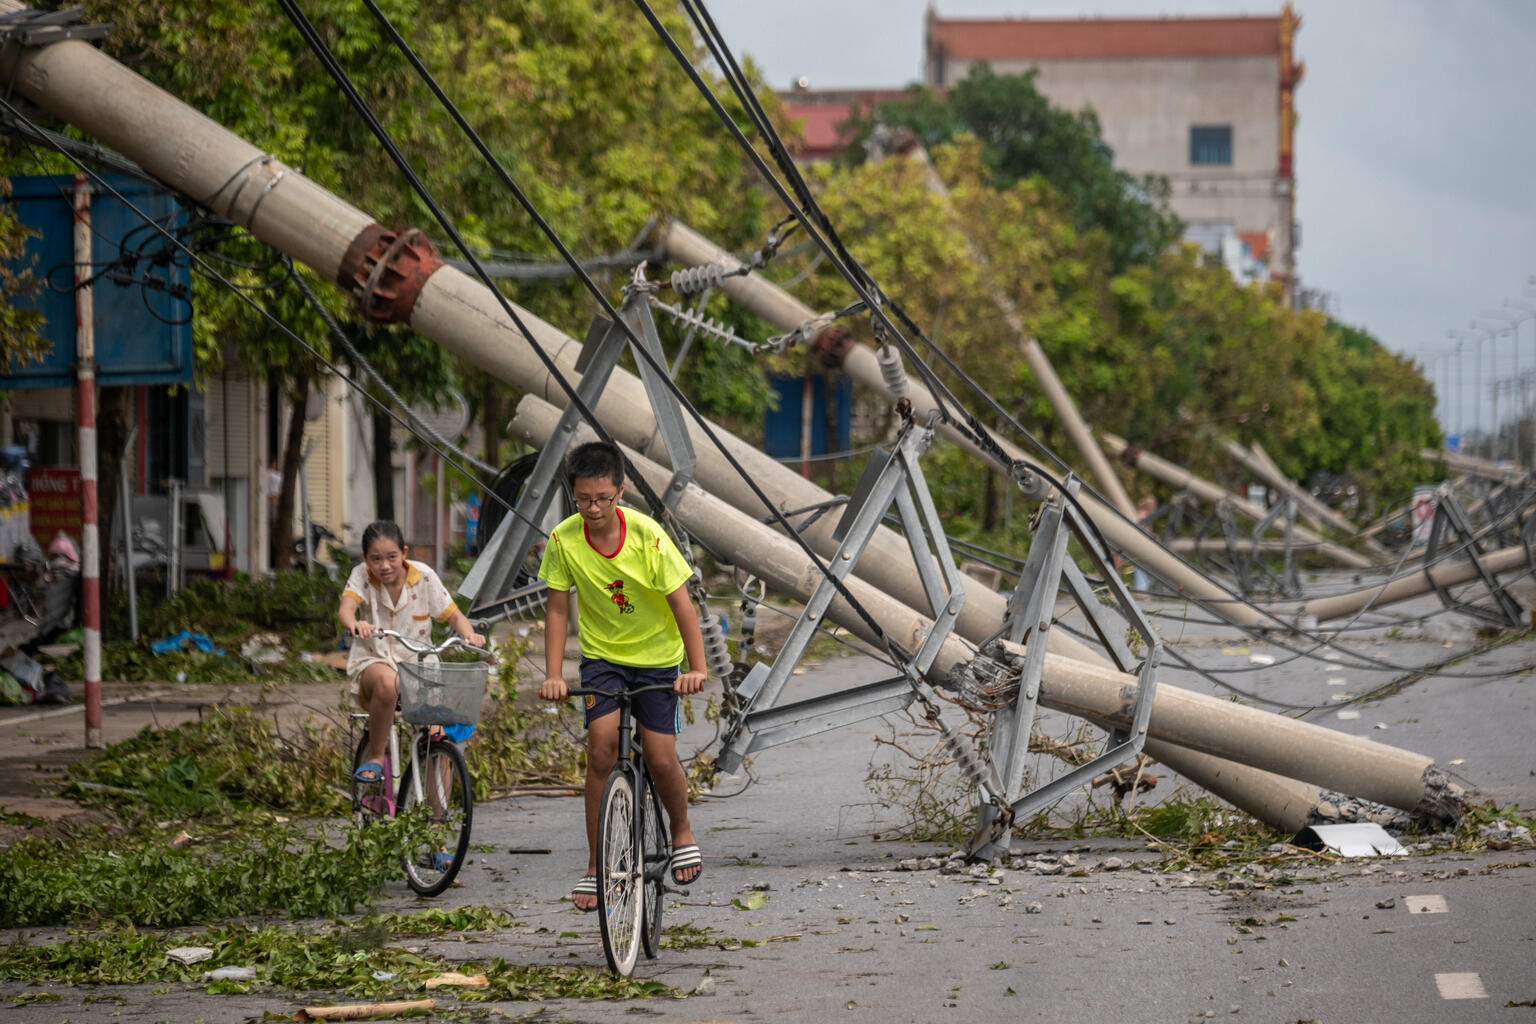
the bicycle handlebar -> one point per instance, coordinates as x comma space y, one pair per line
449, 644
577, 691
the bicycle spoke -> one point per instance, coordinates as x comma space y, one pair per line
620, 900
655, 852
444, 809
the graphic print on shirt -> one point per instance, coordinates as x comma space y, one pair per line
616, 592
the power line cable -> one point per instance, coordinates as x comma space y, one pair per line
204, 267
339, 74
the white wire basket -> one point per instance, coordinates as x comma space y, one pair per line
441, 693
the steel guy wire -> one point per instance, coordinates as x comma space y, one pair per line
423, 428
745, 95
845, 262
508, 182
339, 74
344, 81
203, 267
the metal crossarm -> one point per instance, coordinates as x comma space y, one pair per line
496, 568
891, 478
1007, 669
1452, 528
44, 28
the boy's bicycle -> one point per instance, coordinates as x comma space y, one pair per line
634, 847
433, 777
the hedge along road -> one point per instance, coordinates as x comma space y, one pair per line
802, 914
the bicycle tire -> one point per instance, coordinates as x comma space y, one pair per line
370, 800
655, 854
432, 863
620, 901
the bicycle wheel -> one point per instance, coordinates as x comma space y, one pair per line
370, 800
655, 854
620, 901
446, 805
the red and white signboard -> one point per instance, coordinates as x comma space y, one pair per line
54, 494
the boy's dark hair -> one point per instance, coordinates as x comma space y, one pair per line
595, 459
383, 529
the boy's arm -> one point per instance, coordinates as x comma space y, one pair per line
557, 620
693, 680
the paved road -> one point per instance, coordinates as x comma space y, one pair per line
846, 934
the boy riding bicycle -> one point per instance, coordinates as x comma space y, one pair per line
636, 624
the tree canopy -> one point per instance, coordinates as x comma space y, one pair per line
1169, 352
585, 107
1023, 137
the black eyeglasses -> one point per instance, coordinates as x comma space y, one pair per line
598, 502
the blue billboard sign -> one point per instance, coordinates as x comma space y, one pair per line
141, 286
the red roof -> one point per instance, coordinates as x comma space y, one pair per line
1069, 38
822, 112
820, 123
1258, 244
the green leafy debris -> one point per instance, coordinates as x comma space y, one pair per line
327, 960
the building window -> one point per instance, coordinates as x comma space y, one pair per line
1210, 144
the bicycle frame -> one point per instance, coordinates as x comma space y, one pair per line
420, 735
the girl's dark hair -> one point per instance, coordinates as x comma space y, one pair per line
595, 459
383, 529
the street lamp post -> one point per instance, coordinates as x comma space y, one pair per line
1506, 326
1461, 385
1476, 337
1530, 314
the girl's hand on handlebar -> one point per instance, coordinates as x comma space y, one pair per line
690, 682
553, 688
475, 640
363, 629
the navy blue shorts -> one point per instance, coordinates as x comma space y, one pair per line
659, 711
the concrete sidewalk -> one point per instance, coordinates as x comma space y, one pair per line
39, 742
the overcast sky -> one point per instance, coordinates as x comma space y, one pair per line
1415, 148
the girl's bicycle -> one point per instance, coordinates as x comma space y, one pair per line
633, 847
433, 779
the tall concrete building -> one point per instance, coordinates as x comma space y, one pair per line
1206, 102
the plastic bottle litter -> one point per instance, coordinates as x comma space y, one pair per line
230, 974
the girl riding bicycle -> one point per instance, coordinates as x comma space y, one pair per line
388, 591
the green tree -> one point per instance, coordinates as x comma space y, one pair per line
1170, 353
579, 100
1023, 136
20, 339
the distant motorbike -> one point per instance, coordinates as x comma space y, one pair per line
319, 536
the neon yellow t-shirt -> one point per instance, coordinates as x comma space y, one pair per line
624, 615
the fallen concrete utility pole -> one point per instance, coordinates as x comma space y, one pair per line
197, 157
1207, 725
1412, 585
1285, 804
397, 276
1039, 363
1309, 507
1177, 476
838, 349
1472, 465
1248, 545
